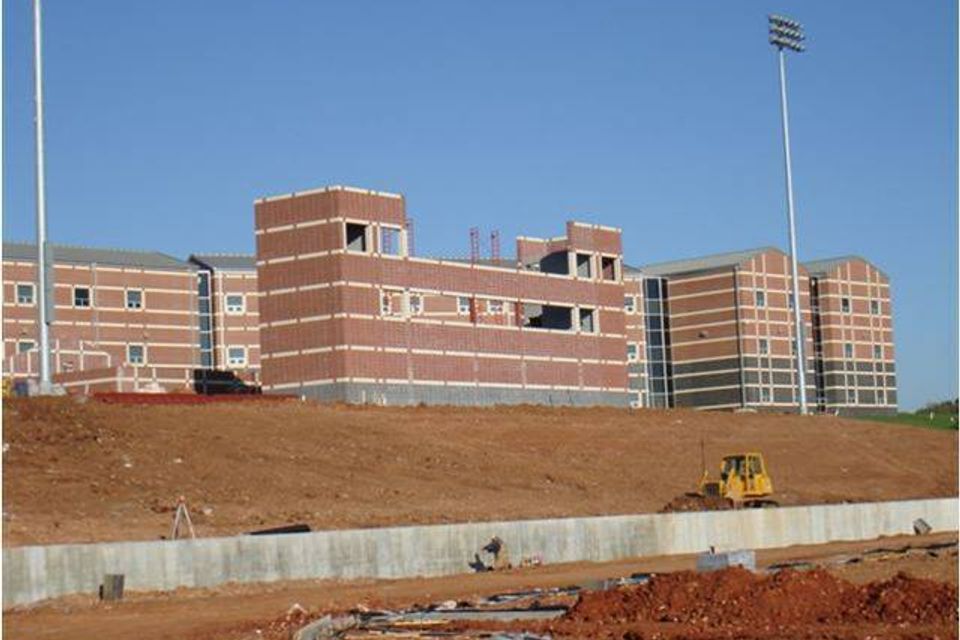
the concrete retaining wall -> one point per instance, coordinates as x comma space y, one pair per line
35, 573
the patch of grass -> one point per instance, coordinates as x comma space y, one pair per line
939, 421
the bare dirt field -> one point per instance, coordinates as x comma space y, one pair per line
263, 611
87, 472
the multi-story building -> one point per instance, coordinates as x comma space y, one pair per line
347, 314
111, 308
228, 313
334, 307
853, 330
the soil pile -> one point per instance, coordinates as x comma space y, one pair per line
735, 600
693, 502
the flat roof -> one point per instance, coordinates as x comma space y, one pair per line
226, 261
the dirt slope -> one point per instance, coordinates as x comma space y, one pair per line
84, 472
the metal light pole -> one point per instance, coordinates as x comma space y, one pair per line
42, 267
788, 34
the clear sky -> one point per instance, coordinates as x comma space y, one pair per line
166, 119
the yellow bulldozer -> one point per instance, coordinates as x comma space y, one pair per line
744, 482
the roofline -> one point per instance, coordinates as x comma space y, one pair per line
844, 259
749, 252
328, 189
61, 258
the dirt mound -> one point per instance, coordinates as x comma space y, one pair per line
87, 472
694, 502
736, 597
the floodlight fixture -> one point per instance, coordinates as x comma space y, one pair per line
786, 33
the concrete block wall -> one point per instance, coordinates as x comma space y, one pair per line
35, 573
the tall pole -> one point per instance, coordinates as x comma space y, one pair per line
797, 321
42, 275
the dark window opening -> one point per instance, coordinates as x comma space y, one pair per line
81, 297
356, 237
608, 267
587, 321
556, 262
584, 267
545, 316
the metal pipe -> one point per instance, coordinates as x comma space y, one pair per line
43, 277
797, 321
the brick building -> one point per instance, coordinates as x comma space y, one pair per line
112, 308
334, 307
853, 326
347, 314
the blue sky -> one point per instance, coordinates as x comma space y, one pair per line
166, 119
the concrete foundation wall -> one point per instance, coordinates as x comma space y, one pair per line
413, 394
35, 573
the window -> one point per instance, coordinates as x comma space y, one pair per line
237, 356
356, 237
631, 352
851, 396
584, 265
761, 299
463, 305
845, 305
629, 304
848, 350
134, 299
25, 294
494, 306
790, 300
875, 307
764, 346
416, 304
608, 268
234, 303
25, 345
81, 297
386, 306
391, 241
136, 354
877, 352
765, 395
587, 323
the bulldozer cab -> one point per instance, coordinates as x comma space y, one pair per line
745, 476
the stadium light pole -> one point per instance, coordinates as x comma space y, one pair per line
43, 277
788, 34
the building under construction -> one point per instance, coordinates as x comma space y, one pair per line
335, 306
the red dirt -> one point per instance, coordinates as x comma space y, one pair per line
689, 502
87, 472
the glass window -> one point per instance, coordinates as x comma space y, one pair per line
654, 323
654, 307
81, 297
205, 342
237, 356
463, 305
875, 307
629, 304
655, 338
845, 305
656, 370
24, 294
652, 287
203, 284
764, 346
234, 303
631, 352
204, 323
851, 396
416, 304
203, 305
655, 353
760, 298
390, 241
765, 395
386, 304
848, 350
877, 352
657, 385
790, 300
206, 359
494, 306
25, 345
134, 299
136, 354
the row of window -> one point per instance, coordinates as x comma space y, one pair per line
133, 298
137, 353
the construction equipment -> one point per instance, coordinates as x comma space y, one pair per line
744, 482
